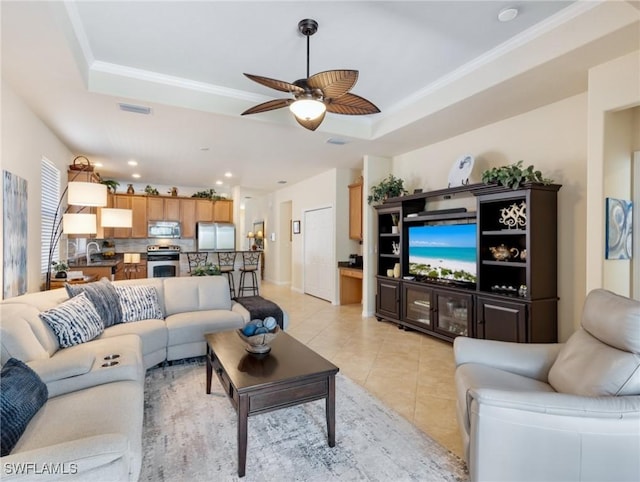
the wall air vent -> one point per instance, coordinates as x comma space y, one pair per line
337, 141
136, 109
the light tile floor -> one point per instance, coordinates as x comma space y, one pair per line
409, 371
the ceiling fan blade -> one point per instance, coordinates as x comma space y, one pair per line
350, 104
280, 85
266, 106
311, 124
333, 83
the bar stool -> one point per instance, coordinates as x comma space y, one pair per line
226, 263
197, 259
250, 262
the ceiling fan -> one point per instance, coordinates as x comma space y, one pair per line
317, 94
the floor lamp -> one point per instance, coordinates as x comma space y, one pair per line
84, 194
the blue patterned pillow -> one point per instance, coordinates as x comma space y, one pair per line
22, 393
139, 302
103, 296
75, 321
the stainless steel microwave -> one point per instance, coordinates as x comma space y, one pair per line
163, 229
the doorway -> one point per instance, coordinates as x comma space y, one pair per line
319, 269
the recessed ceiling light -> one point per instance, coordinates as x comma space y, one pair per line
219, 183
507, 14
132, 163
137, 176
282, 182
227, 174
136, 109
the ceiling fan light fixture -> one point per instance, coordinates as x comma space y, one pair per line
307, 109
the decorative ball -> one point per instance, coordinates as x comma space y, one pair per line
270, 323
249, 329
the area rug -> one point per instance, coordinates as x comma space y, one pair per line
191, 436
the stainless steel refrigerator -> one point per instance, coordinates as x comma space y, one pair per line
215, 237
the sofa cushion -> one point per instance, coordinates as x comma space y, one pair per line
586, 366
103, 296
17, 337
139, 303
75, 321
191, 326
196, 294
153, 334
22, 393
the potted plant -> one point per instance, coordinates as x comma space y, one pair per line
208, 269
206, 194
111, 185
151, 191
390, 186
513, 175
61, 268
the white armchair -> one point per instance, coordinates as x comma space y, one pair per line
555, 412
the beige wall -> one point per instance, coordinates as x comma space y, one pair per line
613, 87
553, 139
25, 141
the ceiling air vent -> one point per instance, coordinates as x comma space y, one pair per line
136, 109
337, 141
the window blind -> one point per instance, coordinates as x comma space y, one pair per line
50, 194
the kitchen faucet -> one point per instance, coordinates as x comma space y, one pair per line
88, 250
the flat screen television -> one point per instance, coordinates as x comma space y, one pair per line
444, 252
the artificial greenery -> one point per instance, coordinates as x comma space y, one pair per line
206, 194
391, 186
207, 270
60, 266
151, 191
514, 175
111, 184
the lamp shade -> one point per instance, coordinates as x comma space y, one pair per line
86, 194
116, 218
307, 109
132, 258
76, 223
250, 234
259, 235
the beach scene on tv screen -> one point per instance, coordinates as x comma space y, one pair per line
443, 251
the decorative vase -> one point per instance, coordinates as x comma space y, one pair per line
394, 229
396, 270
174, 191
61, 274
130, 189
390, 273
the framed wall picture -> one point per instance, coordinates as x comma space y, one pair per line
296, 227
619, 230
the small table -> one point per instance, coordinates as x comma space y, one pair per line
289, 375
60, 282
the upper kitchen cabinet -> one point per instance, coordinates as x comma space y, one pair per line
163, 208
223, 211
188, 217
204, 210
355, 210
138, 206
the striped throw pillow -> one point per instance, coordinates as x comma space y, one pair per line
139, 302
75, 321
103, 296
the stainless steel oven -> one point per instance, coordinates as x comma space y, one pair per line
163, 261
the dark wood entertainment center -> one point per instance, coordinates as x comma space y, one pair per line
513, 299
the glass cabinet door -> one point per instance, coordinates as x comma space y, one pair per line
417, 305
453, 313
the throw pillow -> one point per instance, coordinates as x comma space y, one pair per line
103, 296
139, 302
22, 393
75, 321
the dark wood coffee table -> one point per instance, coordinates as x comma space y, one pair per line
289, 375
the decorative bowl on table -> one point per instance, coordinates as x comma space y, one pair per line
258, 343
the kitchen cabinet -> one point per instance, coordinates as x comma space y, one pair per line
138, 206
350, 286
204, 210
188, 217
223, 211
355, 210
163, 208
388, 298
135, 271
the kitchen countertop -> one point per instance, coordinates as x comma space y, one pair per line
345, 264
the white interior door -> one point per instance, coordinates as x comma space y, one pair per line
319, 269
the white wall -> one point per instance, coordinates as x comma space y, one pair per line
553, 139
25, 141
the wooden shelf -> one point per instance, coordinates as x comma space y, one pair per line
510, 264
397, 256
437, 217
504, 232
389, 235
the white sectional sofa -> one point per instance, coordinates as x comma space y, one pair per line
91, 423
